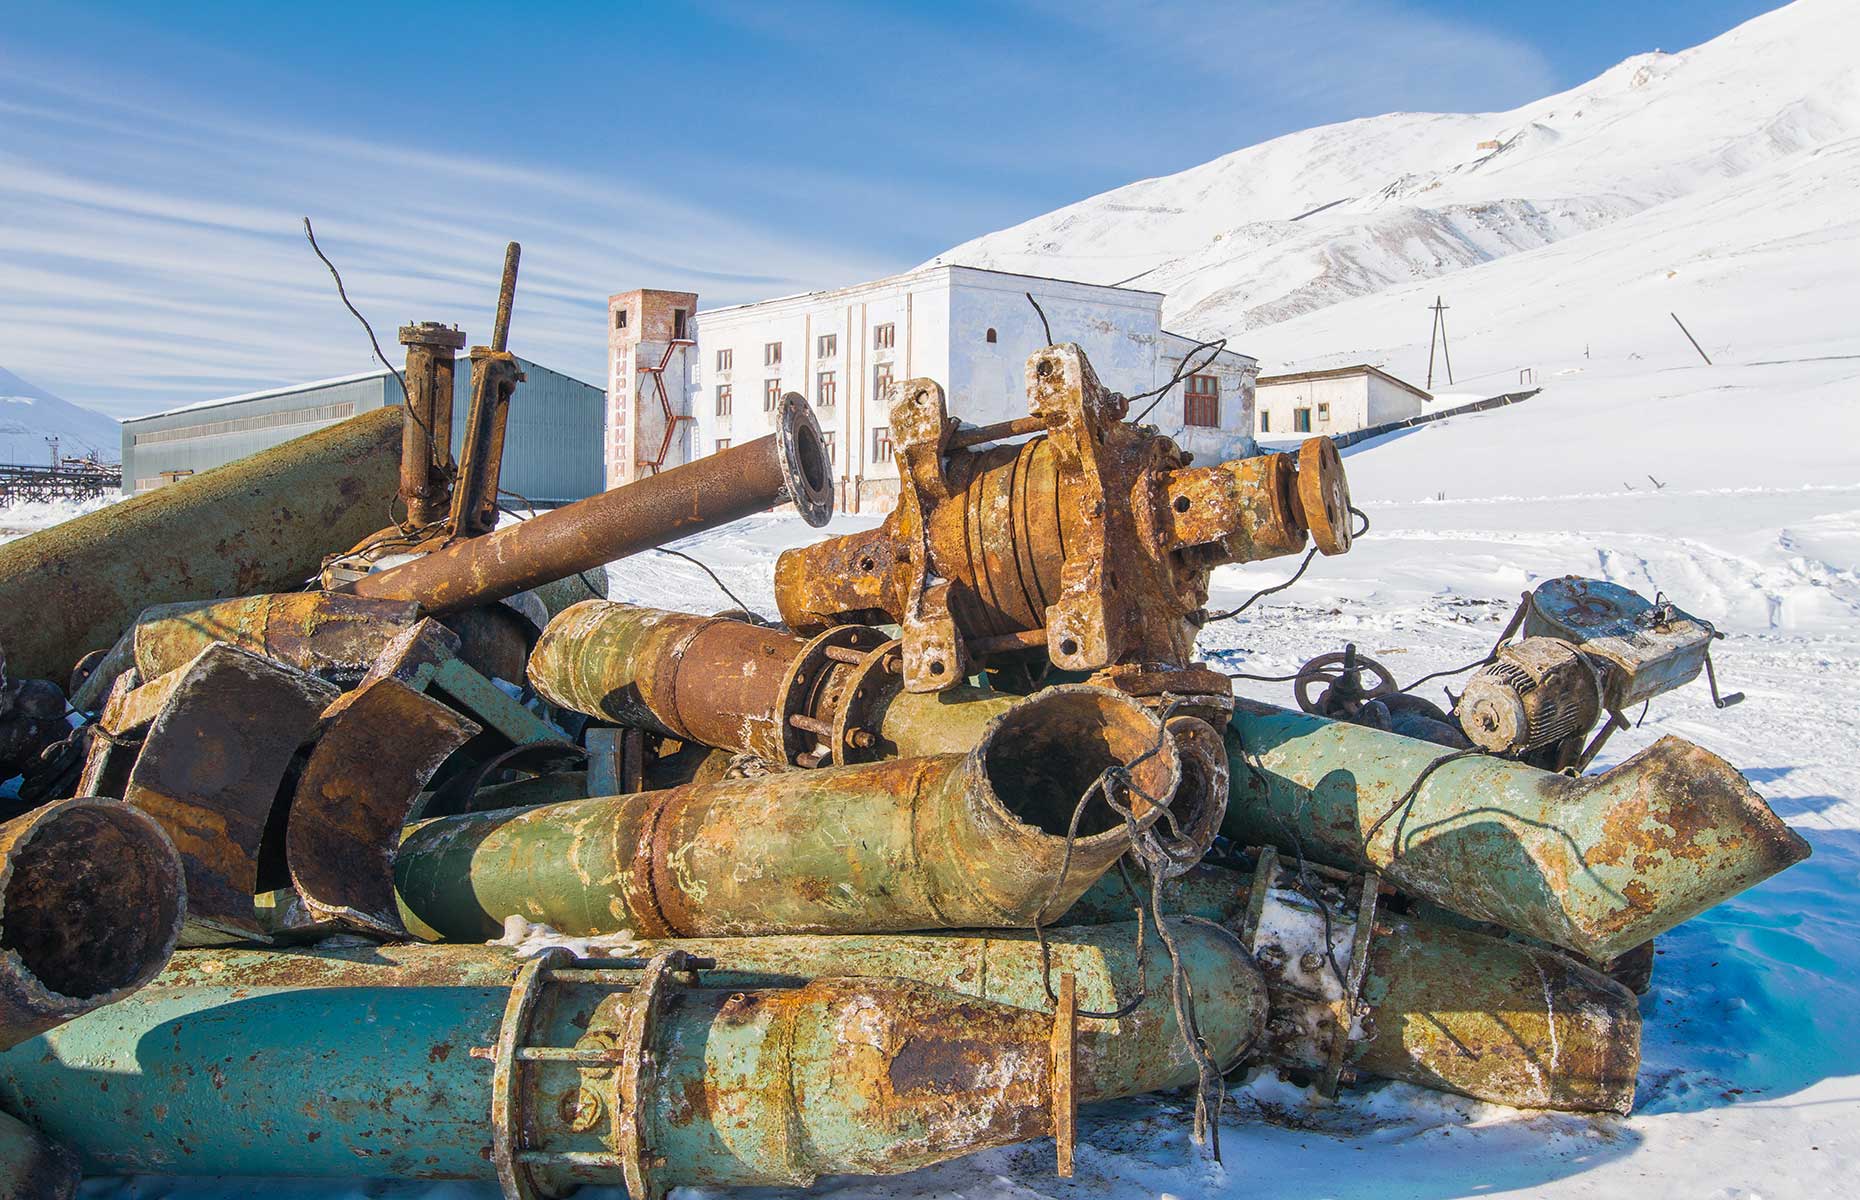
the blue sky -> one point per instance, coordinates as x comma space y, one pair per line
154, 161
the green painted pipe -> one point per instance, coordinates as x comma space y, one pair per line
1598, 864
1444, 1006
91, 903
945, 842
32, 1168
261, 524
360, 1061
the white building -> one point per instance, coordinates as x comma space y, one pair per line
968, 329
1340, 400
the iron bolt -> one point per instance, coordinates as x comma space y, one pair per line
1311, 960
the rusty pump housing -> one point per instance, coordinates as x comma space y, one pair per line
1091, 541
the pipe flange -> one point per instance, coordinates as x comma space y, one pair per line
801, 692
868, 690
806, 467
1324, 495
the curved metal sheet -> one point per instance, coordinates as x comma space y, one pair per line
210, 770
379, 746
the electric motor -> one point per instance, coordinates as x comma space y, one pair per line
1535, 693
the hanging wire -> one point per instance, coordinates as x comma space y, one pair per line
714, 577
1210, 1093
1279, 587
1042, 312
1215, 349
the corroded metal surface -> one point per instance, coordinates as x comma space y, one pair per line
973, 841
32, 1168
835, 698
210, 769
1444, 1006
1093, 541
377, 748
1598, 864
330, 635
261, 524
788, 465
426, 432
91, 897
242, 1062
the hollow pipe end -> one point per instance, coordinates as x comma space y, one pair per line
67, 869
806, 467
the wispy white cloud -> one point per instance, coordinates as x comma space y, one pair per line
153, 256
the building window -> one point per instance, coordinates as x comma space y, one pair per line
881, 379
833, 447
771, 394
771, 355
885, 336
723, 399
1301, 420
679, 332
991, 336
619, 318
1265, 421
723, 443
1201, 401
825, 387
827, 345
1323, 414
881, 443
724, 359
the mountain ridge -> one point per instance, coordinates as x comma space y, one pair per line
1311, 219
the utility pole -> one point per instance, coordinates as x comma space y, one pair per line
1439, 331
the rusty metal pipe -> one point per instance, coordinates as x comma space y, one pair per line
32, 1168
1598, 864
787, 465
727, 683
261, 524
91, 901
549, 1074
1443, 1006
950, 841
426, 435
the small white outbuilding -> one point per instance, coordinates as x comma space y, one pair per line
1340, 400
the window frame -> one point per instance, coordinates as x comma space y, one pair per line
1301, 419
827, 345
725, 397
1201, 401
771, 394
826, 389
881, 444
885, 337
725, 359
771, 354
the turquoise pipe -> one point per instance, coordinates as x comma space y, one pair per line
1597, 864
350, 1061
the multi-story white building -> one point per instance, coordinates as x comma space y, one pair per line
968, 329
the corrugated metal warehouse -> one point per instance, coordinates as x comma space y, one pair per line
552, 446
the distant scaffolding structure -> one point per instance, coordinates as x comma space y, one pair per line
70, 479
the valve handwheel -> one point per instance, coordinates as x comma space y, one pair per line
1340, 671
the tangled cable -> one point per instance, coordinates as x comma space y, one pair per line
1155, 857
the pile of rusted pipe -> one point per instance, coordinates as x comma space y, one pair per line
471, 882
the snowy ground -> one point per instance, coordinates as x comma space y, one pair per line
1750, 1079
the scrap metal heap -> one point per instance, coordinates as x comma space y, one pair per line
851, 896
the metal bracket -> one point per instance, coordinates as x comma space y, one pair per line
1344, 1009
1065, 1091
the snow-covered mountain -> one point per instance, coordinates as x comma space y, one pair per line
29, 414
1316, 218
